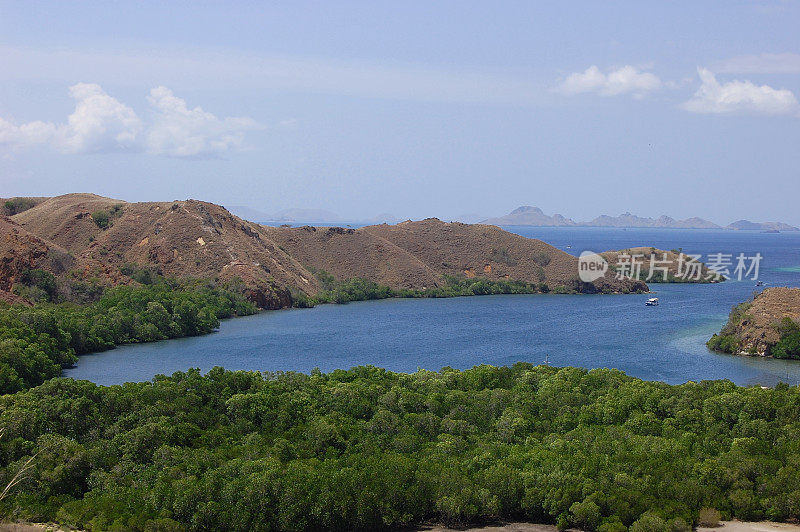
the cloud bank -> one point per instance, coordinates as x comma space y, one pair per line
625, 80
102, 124
736, 97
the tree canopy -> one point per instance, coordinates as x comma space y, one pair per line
37, 342
370, 449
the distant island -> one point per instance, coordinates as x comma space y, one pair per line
747, 225
535, 217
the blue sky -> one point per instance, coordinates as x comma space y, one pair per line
415, 108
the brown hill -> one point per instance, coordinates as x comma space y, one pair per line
67, 220
182, 238
202, 240
487, 251
418, 254
754, 327
347, 253
21, 251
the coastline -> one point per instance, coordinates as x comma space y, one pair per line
725, 526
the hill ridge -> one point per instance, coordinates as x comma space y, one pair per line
192, 238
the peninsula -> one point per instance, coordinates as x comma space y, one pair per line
768, 325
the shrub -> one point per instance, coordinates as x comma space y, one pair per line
612, 525
789, 344
585, 515
357, 289
650, 523
101, 219
37, 285
727, 343
141, 274
503, 257
679, 525
17, 205
541, 258
105, 219
708, 517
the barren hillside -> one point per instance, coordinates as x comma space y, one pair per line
182, 238
481, 250
346, 253
417, 254
202, 240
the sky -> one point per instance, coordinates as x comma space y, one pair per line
417, 109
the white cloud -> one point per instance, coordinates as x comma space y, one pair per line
785, 63
32, 133
182, 132
625, 80
101, 123
739, 97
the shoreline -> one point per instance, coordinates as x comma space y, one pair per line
724, 526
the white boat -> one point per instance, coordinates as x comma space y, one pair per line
652, 302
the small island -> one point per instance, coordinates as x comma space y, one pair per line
654, 265
767, 326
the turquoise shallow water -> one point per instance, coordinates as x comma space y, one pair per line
657, 343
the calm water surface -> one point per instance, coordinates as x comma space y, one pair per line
664, 343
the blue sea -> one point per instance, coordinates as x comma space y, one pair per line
665, 343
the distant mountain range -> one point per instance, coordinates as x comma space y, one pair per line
534, 216
629, 220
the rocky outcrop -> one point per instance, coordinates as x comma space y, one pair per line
269, 296
19, 252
